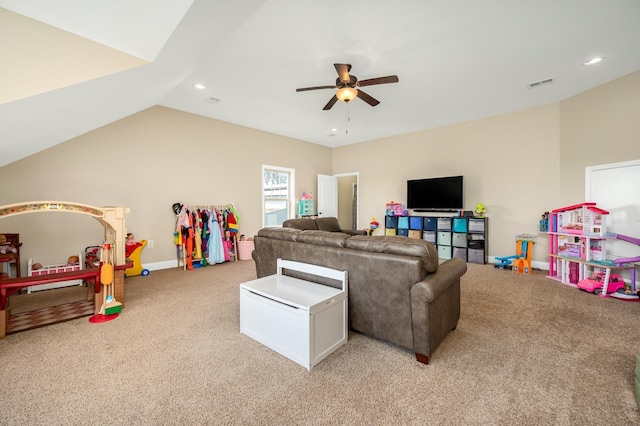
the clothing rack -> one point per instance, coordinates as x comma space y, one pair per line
206, 234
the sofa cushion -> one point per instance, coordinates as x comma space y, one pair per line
285, 234
302, 223
398, 245
323, 238
328, 224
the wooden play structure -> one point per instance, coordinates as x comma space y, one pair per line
113, 221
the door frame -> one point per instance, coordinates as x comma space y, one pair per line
357, 175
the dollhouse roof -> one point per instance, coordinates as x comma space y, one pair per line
588, 205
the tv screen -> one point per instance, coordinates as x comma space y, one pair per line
435, 194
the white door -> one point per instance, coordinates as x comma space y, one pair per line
327, 196
615, 188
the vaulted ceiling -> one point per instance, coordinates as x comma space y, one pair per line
71, 66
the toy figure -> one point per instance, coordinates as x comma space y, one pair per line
6, 246
544, 222
374, 223
480, 210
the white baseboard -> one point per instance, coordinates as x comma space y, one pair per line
156, 266
166, 264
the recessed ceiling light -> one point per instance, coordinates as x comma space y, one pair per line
334, 130
593, 61
199, 86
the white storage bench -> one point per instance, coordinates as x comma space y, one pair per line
53, 269
301, 320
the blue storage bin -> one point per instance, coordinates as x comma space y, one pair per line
391, 221
415, 222
429, 223
403, 232
403, 222
459, 224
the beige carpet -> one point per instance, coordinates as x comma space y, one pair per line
527, 351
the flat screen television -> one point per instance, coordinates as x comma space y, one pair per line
435, 194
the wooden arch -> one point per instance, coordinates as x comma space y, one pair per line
111, 218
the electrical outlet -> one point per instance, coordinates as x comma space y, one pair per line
150, 243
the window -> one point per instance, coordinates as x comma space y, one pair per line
278, 187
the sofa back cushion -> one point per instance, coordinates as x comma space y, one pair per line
284, 234
328, 224
398, 245
323, 238
302, 223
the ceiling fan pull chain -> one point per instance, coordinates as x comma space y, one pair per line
347, 120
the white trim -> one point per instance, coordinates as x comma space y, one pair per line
292, 189
357, 175
589, 170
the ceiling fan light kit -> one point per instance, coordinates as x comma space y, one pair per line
348, 86
346, 94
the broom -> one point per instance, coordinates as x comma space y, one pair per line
110, 305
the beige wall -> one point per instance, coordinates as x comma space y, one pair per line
147, 162
509, 163
518, 164
600, 126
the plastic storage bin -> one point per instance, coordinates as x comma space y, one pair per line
244, 249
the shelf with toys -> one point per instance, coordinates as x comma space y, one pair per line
578, 251
306, 206
463, 236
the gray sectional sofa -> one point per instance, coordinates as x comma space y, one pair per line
398, 290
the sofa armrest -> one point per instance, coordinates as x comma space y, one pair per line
435, 284
435, 307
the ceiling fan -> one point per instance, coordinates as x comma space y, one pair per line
348, 86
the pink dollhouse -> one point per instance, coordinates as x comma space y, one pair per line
577, 237
580, 232
581, 219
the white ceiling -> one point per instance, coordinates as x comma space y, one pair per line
457, 60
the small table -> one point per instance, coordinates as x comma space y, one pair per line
301, 320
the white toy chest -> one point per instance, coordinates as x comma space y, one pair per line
300, 320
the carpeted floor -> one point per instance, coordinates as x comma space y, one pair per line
527, 351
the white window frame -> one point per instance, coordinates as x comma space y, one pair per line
290, 193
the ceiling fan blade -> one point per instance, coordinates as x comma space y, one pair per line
368, 99
331, 103
304, 89
379, 80
343, 71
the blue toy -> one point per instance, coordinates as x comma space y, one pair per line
521, 261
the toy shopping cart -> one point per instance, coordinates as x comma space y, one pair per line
132, 253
